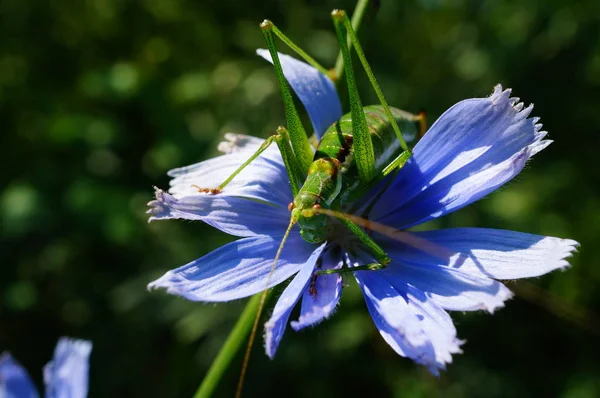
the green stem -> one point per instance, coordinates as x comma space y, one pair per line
236, 339
357, 16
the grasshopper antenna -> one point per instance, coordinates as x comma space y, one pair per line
401, 236
423, 125
263, 299
584, 319
555, 305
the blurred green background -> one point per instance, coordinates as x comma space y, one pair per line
99, 98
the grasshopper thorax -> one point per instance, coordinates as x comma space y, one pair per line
313, 226
321, 188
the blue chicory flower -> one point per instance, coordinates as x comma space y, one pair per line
472, 149
66, 376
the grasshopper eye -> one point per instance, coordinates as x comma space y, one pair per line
291, 206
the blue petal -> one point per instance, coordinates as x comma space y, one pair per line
472, 149
14, 380
241, 209
264, 179
449, 288
320, 299
66, 376
238, 269
409, 322
233, 215
275, 326
315, 90
490, 253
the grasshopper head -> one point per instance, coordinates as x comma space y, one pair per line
313, 226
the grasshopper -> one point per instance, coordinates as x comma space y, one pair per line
354, 154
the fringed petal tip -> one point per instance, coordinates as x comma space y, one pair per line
538, 146
410, 322
314, 318
160, 207
319, 301
564, 251
435, 365
572, 247
67, 373
273, 333
270, 345
171, 282
175, 285
556, 255
70, 346
491, 307
238, 143
500, 93
500, 97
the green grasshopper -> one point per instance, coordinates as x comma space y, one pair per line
355, 153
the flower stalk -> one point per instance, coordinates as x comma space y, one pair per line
236, 339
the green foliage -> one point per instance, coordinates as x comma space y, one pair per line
99, 98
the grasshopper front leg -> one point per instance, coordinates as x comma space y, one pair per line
281, 138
